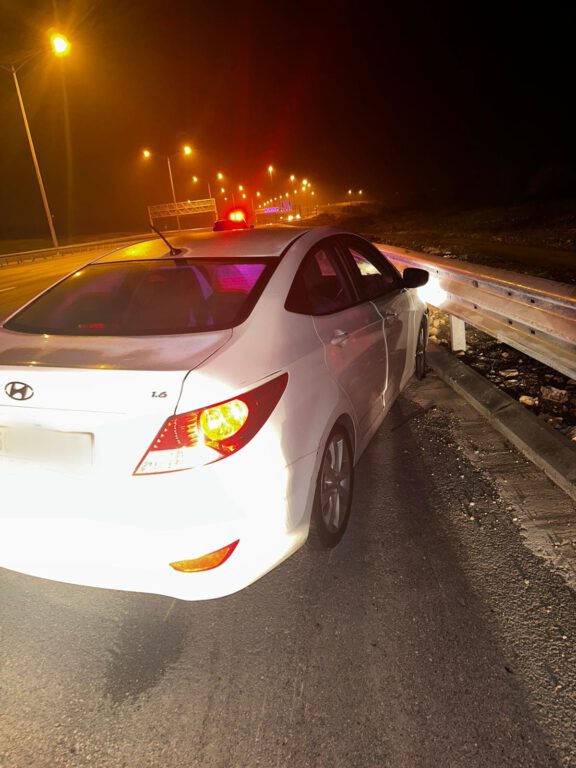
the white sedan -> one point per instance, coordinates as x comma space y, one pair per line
179, 419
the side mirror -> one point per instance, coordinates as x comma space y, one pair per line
414, 278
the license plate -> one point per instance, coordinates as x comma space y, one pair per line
46, 446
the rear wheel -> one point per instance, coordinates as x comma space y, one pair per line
420, 368
334, 487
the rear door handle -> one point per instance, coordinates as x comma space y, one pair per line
339, 338
389, 316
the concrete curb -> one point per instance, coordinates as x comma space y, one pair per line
539, 442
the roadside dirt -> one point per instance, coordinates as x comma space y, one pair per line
536, 239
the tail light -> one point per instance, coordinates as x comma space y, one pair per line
209, 434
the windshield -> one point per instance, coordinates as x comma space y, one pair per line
148, 298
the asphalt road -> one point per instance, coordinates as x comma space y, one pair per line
425, 639
20, 282
431, 637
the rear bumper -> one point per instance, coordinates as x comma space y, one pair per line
125, 535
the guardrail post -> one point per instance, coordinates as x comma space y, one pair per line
457, 334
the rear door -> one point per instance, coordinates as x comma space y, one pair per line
350, 330
378, 281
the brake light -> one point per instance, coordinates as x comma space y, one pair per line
209, 434
237, 215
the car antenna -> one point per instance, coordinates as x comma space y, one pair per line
173, 251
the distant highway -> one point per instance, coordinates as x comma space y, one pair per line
21, 282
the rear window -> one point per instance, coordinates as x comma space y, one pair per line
146, 298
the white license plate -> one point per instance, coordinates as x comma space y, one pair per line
46, 446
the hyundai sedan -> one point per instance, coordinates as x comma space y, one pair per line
178, 418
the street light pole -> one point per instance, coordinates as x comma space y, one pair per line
12, 70
172, 185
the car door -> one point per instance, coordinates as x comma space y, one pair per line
350, 329
378, 281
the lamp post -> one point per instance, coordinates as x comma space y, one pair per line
186, 150
60, 47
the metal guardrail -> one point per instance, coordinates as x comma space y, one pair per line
50, 253
534, 315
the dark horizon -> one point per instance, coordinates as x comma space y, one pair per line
410, 104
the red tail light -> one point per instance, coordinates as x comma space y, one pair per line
209, 434
237, 214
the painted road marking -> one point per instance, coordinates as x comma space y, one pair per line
8, 289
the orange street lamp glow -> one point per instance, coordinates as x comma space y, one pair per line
220, 176
349, 191
222, 190
304, 182
292, 178
60, 44
359, 191
187, 150
257, 194
195, 179
146, 153
240, 188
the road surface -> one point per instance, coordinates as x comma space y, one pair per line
433, 636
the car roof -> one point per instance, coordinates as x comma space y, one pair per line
240, 243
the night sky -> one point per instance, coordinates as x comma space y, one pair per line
415, 103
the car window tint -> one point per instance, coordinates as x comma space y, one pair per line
148, 298
320, 286
373, 275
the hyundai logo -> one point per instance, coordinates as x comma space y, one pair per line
17, 390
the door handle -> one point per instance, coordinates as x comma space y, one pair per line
339, 338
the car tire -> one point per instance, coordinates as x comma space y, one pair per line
334, 489
420, 363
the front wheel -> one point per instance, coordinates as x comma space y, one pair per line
333, 499
420, 367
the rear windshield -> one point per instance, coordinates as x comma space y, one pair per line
146, 298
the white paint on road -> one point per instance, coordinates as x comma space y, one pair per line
12, 287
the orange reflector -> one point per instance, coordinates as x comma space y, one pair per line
205, 562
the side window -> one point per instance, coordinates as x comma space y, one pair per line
320, 286
373, 274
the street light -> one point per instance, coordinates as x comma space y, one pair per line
270, 171
186, 150
60, 44
60, 47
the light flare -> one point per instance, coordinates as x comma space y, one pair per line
432, 293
